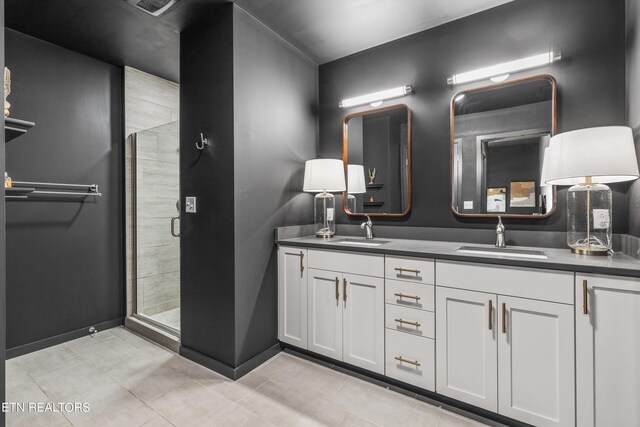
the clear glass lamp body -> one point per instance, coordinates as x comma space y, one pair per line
589, 219
352, 203
324, 212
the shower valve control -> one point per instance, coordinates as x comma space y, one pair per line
190, 205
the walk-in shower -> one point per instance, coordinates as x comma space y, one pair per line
154, 194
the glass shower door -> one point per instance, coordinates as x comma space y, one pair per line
156, 188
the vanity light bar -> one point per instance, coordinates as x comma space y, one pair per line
506, 68
380, 96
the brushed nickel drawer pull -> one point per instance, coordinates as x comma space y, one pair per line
337, 290
408, 270
344, 290
585, 301
504, 318
410, 362
408, 322
401, 295
301, 263
490, 315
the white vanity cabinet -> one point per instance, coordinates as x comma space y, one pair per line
607, 351
502, 348
292, 296
346, 308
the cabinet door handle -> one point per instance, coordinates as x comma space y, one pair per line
337, 290
301, 263
408, 270
401, 295
490, 315
344, 290
408, 322
173, 226
504, 318
585, 300
410, 362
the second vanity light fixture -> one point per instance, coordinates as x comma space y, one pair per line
500, 72
376, 98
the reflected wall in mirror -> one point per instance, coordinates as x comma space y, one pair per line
376, 147
498, 137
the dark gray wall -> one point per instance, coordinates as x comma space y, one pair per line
3, 281
255, 97
207, 238
275, 115
633, 105
590, 81
64, 258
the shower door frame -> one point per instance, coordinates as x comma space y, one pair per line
133, 197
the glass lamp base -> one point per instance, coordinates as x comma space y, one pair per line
589, 250
324, 213
589, 218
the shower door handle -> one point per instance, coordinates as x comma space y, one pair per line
173, 226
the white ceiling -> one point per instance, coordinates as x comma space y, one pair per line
326, 30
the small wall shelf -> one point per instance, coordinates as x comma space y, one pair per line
14, 128
28, 190
375, 185
372, 204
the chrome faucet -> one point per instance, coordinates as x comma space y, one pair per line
368, 227
500, 236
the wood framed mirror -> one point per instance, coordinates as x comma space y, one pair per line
498, 138
376, 151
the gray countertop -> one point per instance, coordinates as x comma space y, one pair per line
558, 259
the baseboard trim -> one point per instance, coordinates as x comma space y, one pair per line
432, 398
59, 339
226, 370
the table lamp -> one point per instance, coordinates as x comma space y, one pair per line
588, 159
355, 185
324, 176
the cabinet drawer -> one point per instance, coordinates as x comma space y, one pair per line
417, 359
545, 285
416, 322
407, 294
410, 269
347, 262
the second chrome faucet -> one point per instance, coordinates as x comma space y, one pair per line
367, 226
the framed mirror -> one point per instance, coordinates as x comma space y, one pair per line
498, 138
376, 150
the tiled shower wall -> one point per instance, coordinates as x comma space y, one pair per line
152, 111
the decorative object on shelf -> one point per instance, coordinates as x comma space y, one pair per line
7, 181
7, 90
355, 185
372, 175
587, 159
324, 176
371, 199
501, 72
523, 194
497, 199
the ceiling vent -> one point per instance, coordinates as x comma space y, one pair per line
153, 7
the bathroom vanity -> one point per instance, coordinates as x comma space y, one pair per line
534, 335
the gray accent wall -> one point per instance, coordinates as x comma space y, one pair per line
275, 126
65, 257
255, 98
3, 279
633, 104
590, 90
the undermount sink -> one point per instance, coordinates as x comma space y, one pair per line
508, 252
361, 242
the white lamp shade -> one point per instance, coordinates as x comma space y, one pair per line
606, 154
355, 179
324, 175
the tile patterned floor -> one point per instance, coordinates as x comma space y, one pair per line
129, 381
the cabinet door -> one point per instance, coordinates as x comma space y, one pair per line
325, 313
363, 331
292, 296
536, 362
466, 349
608, 351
